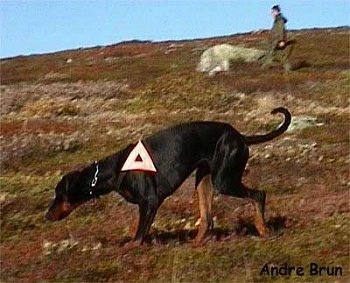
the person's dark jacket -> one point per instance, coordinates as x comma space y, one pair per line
278, 31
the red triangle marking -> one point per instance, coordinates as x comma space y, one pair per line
139, 159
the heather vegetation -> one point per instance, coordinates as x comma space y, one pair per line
64, 110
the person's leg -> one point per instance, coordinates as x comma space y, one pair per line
286, 55
268, 58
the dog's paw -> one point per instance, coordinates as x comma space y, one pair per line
202, 239
127, 247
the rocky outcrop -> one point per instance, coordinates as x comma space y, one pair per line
218, 58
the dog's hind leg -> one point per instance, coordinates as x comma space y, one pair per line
231, 157
205, 197
259, 199
259, 219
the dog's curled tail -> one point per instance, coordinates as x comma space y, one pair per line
275, 133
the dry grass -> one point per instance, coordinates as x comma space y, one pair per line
106, 97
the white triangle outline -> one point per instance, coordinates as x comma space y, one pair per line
146, 164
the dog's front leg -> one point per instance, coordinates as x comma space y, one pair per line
139, 236
147, 212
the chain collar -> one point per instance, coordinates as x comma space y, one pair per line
94, 180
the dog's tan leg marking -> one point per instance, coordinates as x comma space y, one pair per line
205, 196
260, 222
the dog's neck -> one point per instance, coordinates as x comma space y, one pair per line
107, 175
93, 192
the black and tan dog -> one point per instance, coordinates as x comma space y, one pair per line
216, 151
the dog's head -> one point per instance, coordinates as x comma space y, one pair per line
71, 191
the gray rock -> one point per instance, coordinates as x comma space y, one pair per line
302, 122
217, 58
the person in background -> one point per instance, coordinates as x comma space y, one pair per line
280, 49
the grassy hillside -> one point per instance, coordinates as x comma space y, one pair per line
64, 110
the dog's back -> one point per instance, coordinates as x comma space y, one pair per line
177, 151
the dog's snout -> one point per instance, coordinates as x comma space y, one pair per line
58, 211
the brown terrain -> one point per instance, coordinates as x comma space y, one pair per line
62, 111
